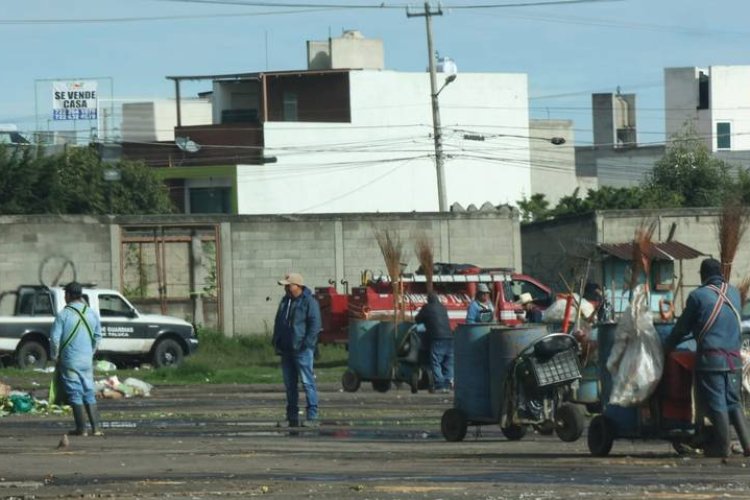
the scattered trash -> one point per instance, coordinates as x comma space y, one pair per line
4, 390
21, 402
49, 369
112, 388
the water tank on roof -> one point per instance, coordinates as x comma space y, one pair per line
447, 66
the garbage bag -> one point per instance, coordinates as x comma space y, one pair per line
57, 395
636, 361
556, 312
22, 403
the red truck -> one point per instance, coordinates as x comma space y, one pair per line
455, 284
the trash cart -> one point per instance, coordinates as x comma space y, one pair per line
666, 415
381, 352
513, 377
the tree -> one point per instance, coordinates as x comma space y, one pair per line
73, 183
535, 208
689, 175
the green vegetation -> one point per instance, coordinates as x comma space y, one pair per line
688, 175
73, 183
219, 360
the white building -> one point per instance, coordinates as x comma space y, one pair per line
380, 155
346, 135
714, 100
152, 121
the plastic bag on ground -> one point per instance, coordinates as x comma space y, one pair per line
637, 358
139, 387
103, 365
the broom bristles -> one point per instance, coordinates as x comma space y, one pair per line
423, 249
642, 243
391, 248
731, 226
743, 287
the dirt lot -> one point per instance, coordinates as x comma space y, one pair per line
211, 441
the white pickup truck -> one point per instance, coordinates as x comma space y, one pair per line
127, 335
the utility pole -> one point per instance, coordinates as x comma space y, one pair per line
437, 130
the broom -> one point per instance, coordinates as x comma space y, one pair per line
731, 226
423, 249
642, 243
391, 248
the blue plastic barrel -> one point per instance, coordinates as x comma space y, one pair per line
505, 344
624, 418
472, 373
363, 348
388, 337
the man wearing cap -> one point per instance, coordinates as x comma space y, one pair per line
530, 313
712, 315
74, 338
295, 335
481, 310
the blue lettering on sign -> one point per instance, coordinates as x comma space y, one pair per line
74, 114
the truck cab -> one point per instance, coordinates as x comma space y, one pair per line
127, 334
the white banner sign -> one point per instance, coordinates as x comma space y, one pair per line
74, 100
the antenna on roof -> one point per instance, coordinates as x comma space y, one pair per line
185, 144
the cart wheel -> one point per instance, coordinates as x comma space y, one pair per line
453, 425
350, 381
546, 428
381, 385
514, 432
601, 436
569, 422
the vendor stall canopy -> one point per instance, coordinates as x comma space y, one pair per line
668, 250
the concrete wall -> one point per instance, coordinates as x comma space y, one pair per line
579, 235
553, 171
730, 103
617, 167
384, 159
155, 120
255, 251
681, 103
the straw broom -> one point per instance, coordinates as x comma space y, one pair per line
642, 243
423, 249
744, 287
391, 248
731, 226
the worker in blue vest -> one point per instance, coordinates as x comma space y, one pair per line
712, 315
74, 338
480, 309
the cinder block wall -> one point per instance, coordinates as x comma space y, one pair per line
695, 227
255, 251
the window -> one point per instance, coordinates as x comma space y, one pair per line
216, 200
703, 91
113, 305
540, 296
290, 106
724, 135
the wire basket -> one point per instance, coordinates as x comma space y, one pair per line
560, 368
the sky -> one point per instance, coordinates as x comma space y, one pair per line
568, 51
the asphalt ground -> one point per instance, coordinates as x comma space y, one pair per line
207, 441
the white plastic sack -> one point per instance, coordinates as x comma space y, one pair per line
556, 312
745, 354
637, 358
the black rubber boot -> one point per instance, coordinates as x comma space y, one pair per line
737, 417
80, 420
718, 445
94, 419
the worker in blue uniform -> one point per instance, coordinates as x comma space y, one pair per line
480, 309
74, 338
712, 315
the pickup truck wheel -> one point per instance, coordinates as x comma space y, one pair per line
31, 354
167, 353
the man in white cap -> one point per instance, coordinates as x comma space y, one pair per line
530, 313
295, 335
481, 309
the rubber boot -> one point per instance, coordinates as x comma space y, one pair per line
94, 419
718, 446
737, 417
80, 420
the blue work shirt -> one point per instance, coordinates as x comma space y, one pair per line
79, 352
479, 312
